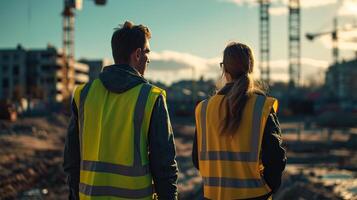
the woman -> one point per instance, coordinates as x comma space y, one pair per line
237, 147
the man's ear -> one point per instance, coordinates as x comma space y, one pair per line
138, 54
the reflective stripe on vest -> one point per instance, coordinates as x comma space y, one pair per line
114, 168
102, 170
233, 182
230, 167
114, 191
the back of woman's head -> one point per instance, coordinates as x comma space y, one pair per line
238, 63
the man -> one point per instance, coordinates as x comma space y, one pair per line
120, 139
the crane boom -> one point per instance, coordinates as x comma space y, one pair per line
312, 36
335, 51
334, 37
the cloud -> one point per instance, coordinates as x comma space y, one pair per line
347, 40
280, 7
315, 63
348, 8
177, 61
241, 2
282, 65
277, 11
314, 3
170, 66
309, 66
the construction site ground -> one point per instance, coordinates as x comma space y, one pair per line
31, 157
31, 163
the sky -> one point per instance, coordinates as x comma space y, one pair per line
188, 36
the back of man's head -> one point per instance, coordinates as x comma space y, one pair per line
127, 39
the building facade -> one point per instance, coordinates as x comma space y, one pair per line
42, 76
12, 73
95, 66
341, 80
36, 74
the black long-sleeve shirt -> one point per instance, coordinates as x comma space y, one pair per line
272, 153
163, 166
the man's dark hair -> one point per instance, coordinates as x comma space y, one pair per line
127, 39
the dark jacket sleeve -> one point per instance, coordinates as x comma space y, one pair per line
162, 152
195, 151
273, 154
71, 162
194, 146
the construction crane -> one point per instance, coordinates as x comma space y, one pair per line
334, 36
264, 64
340, 77
335, 51
68, 72
294, 43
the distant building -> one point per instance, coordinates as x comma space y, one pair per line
43, 79
185, 90
81, 71
36, 74
95, 66
12, 73
341, 81
279, 90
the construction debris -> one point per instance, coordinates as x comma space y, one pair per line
31, 158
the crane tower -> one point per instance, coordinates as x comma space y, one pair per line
68, 71
294, 43
264, 40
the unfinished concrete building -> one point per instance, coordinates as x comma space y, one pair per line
36, 74
12, 73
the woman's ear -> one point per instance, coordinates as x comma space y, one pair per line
227, 77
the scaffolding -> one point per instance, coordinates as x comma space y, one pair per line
68, 71
68, 49
264, 41
294, 43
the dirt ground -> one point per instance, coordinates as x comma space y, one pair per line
31, 162
31, 159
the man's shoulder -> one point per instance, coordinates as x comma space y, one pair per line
77, 92
157, 90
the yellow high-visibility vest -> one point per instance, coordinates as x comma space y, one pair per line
230, 165
113, 136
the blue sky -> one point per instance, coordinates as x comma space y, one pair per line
196, 29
